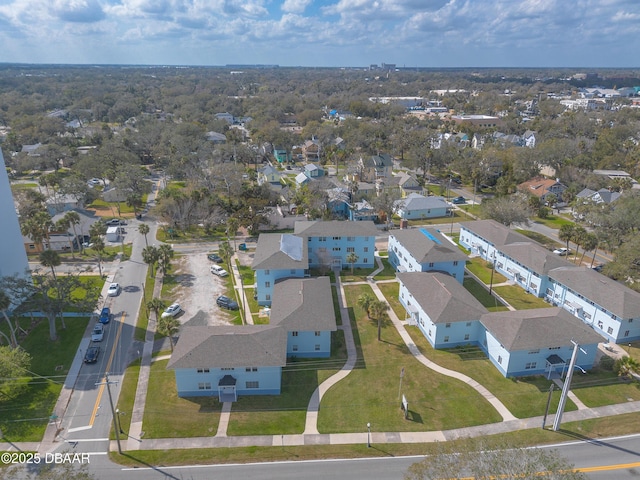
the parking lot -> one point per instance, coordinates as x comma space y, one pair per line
197, 291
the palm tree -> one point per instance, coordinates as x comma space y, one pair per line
73, 219
156, 305
566, 232
5, 303
579, 234
351, 259
364, 302
98, 246
168, 326
150, 255
143, 228
627, 366
232, 227
50, 258
96, 230
63, 225
589, 243
378, 310
165, 254
226, 252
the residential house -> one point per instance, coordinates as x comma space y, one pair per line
604, 195
269, 175
330, 242
609, 307
62, 203
277, 256
536, 341
338, 201
446, 313
364, 190
313, 171
408, 184
228, 361
311, 150
216, 138
226, 116
425, 250
375, 167
281, 155
418, 207
542, 188
361, 211
302, 179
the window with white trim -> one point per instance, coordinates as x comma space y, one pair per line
251, 369
446, 339
253, 384
204, 386
530, 365
317, 347
203, 370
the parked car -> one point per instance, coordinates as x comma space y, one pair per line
225, 302
562, 251
598, 268
219, 271
459, 201
114, 222
98, 333
114, 290
92, 354
172, 311
214, 257
242, 247
94, 181
105, 315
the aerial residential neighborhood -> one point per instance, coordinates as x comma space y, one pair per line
400, 270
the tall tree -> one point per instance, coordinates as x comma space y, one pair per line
143, 228
99, 247
51, 259
168, 326
156, 305
566, 233
150, 256
352, 258
165, 254
226, 252
5, 304
378, 311
364, 302
14, 363
73, 218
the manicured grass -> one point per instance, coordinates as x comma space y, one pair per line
370, 392
479, 268
519, 298
23, 186
388, 273
523, 397
127, 396
167, 415
143, 316
599, 387
554, 221
391, 291
246, 273
490, 302
595, 428
358, 275
24, 418
336, 305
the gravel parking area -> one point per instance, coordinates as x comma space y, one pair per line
197, 291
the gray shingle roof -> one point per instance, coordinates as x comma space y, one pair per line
534, 256
600, 289
230, 346
494, 232
269, 254
425, 250
303, 304
335, 228
538, 328
442, 297
415, 201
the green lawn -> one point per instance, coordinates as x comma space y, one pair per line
481, 269
24, 418
490, 302
167, 415
127, 395
523, 397
519, 298
143, 316
388, 273
553, 221
391, 291
370, 392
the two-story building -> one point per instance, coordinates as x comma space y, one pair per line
228, 361
269, 175
375, 168
425, 250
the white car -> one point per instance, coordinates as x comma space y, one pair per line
98, 333
219, 271
114, 290
172, 311
561, 251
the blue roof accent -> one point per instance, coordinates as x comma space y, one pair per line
430, 236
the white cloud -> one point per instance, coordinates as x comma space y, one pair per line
295, 6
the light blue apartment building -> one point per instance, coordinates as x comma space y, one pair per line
609, 307
330, 242
228, 361
425, 250
278, 256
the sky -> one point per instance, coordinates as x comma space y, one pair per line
323, 33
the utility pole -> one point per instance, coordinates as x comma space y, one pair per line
566, 386
113, 411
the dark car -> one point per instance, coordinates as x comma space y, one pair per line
225, 302
214, 257
92, 355
105, 315
459, 201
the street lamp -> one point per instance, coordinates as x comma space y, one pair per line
493, 268
118, 413
368, 435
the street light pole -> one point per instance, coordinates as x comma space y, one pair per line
566, 386
368, 435
493, 267
113, 411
